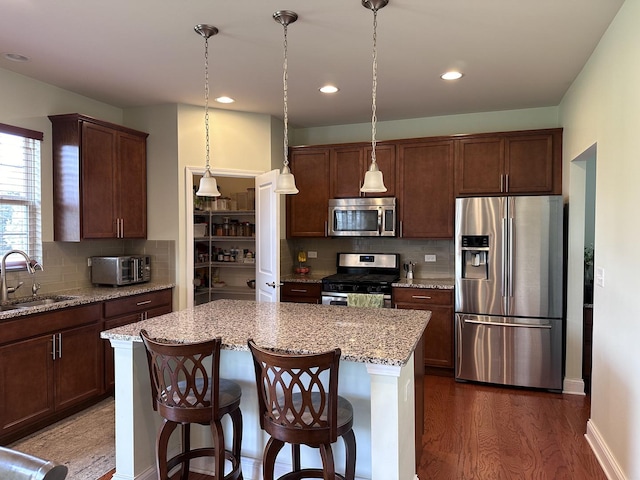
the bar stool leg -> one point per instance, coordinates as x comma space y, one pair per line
349, 439
328, 467
217, 435
186, 448
295, 456
236, 421
270, 453
161, 448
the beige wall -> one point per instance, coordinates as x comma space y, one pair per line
508, 120
238, 140
602, 109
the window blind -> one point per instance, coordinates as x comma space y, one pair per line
20, 202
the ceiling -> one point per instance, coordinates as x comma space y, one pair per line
514, 54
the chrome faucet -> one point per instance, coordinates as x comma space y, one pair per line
4, 289
35, 286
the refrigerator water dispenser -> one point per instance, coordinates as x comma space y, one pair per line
475, 253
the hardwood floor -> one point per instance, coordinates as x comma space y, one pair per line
483, 432
477, 432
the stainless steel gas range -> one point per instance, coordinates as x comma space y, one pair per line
368, 273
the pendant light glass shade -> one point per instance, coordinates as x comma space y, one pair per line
286, 183
373, 182
208, 185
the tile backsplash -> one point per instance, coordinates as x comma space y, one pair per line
409, 250
65, 263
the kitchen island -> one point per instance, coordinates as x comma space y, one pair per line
376, 375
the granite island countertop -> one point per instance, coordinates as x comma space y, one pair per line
80, 296
365, 335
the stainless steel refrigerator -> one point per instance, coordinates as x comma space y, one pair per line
508, 291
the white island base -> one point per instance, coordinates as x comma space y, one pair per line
382, 397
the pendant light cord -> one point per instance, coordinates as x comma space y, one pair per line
206, 97
286, 98
374, 86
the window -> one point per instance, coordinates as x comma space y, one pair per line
20, 210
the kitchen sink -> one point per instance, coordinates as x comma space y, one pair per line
38, 302
7, 308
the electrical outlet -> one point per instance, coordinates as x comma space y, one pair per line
600, 276
88, 261
429, 258
312, 254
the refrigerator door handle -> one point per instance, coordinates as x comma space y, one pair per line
511, 255
504, 324
503, 280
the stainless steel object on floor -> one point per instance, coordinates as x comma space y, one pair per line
509, 290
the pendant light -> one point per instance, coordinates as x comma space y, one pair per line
208, 185
285, 184
373, 181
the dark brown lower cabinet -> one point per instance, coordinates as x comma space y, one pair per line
438, 336
301, 292
126, 310
51, 365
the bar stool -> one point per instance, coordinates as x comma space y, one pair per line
184, 391
299, 404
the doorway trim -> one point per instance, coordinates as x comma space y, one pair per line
189, 174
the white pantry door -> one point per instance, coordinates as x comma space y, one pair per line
267, 238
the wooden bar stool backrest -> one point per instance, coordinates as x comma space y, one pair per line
297, 395
184, 379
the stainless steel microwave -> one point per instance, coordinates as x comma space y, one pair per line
120, 270
362, 217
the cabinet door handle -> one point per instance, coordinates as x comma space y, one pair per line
146, 302
400, 228
59, 345
501, 183
421, 297
53, 346
298, 290
506, 182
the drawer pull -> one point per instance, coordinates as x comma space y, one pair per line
143, 303
421, 297
298, 290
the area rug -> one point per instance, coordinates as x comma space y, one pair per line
84, 442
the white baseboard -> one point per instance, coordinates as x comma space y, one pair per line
607, 461
573, 386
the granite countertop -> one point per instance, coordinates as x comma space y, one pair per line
440, 283
80, 296
365, 335
306, 278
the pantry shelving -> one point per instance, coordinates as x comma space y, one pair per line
224, 251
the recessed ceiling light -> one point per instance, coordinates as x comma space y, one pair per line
329, 89
16, 57
453, 75
225, 100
